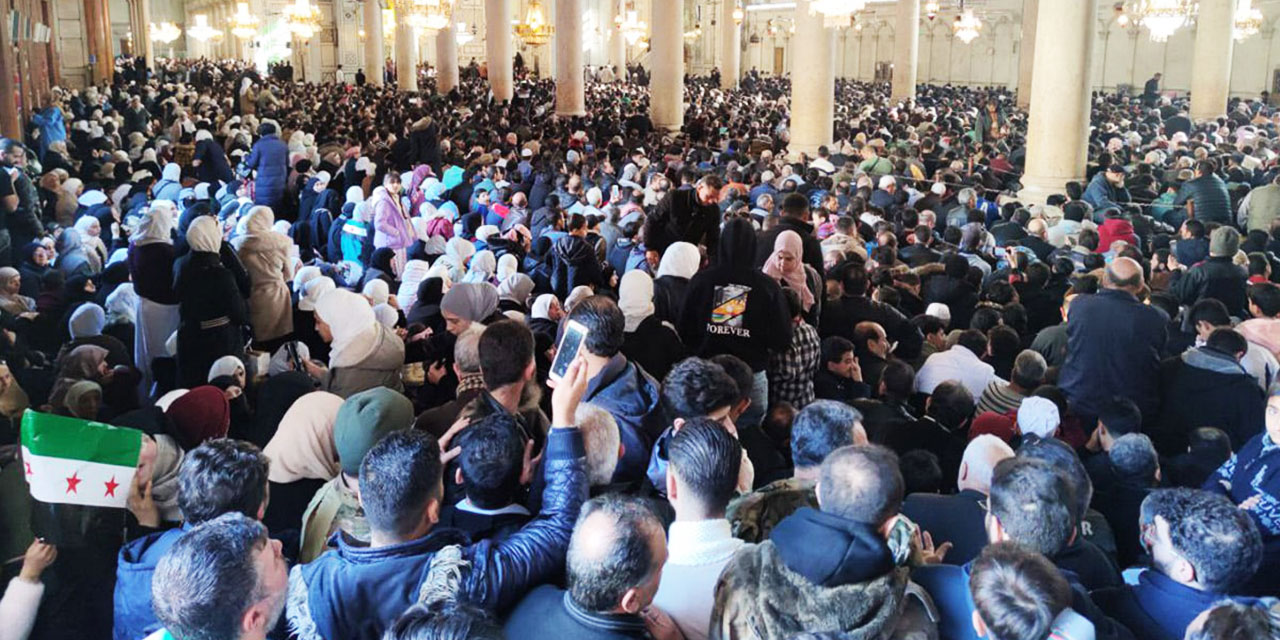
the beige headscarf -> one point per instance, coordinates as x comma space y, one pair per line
303, 446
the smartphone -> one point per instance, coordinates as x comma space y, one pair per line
575, 334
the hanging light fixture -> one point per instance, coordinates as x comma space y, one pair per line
426, 15
1248, 20
931, 9
632, 28
1122, 17
463, 36
694, 33
201, 30
165, 32
1163, 18
967, 26
244, 25
836, 13
738, 13
302, 19
535, 30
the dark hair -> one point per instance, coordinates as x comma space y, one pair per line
576, 221
834, 348
921, 471
605, 325
1220, 540
1133, 457
599, 576
206, 581
738, 370
491, 460
1228, 341
899, 379
1034, 503
1209, 310
928, 324
1062, 457
820, 428
951, 403
795, 205
222, 476
984, 319
1195, 228
706, 458
1120, 415
506, 349
1004, 342
444, 621
861, 483
1017, 592
1230, 620
1266, 296
697, 387
398, 478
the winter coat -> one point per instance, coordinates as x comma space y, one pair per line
212, 317
1101, 195
840, 316
134, 617
380, 369
631, 395
214, 166
1113, 229
356, 592
654, 346
548, 612
1209, 193
270, 158
1252, 471
958, 518
1114, 343
734, 308
266, 258
1158, 607
391, 224
680, 217
959, 296
1218, 278
818, 574
1206, 388
574, 264
668, 297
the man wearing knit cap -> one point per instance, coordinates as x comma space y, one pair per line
1218, 277
1038, 416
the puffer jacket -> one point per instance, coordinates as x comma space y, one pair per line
391, 227
356, 592
1218, 278
1206, 388
270, 158
574, 264
134, 617
1209, 193
628, 393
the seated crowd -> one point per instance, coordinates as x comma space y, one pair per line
865, 393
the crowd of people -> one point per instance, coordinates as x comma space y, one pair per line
860, 393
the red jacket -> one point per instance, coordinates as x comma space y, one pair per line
1113, 229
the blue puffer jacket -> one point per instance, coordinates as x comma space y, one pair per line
134, 617
354, 593
270, 158
628, 393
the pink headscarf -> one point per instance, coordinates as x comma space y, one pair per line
795, 279
416, 197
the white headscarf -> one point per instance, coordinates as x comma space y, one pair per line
156, 225
280, 361
313, 290
205, 235
121, 304
507, 265
386, 315
355, 194
681, 259
482, 267
578, 294
635, 298
305, 275
377, 291
352, 324
542, 306
225, 366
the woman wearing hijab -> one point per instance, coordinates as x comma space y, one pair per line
265, 255
170, 183
304, 316
786, 266
467, 303
514, 292
198, 415
72, 259
212, 313
381, 267
545, 315
90, 229
86, 362
303, 458
86, 325
426, 307
482, 267
363, 353
457, 256
647, 341
35, 263
151, 256
507, 266
679, 262
392, 229
12, 301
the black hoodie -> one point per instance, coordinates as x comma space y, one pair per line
733, 307
574, 264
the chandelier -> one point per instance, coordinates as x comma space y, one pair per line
534, 30
426, 15
695, 33
1248, 20
632, 28
201, 30
1164, 17
302, 19
165, 32
967, 26
931, 9
462, 35
738, 14
244, 25
836, 13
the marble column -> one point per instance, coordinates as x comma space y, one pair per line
571, 99
1211, 60
447, 58
1027, 54
373, 56
906, 55
1058, 128
666, 59
498, 49
97, 25
731, 45
813, 93
617, 43
406, 57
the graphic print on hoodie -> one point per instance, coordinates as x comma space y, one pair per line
728, 314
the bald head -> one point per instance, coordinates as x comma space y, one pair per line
1036, 228
616, 555
1124, 274
861, 483
980, 459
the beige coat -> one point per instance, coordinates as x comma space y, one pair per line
266, 258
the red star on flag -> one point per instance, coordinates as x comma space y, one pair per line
111, 487
72, 482
28, 467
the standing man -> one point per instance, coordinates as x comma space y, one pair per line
689, 215
1151, 91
